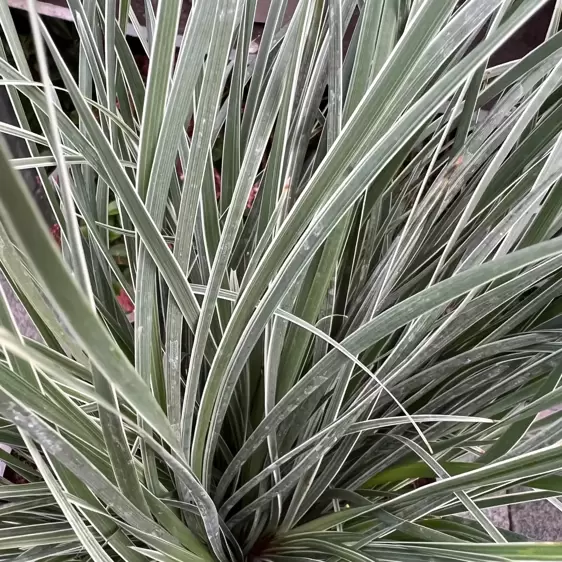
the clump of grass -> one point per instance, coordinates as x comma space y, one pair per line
343, 271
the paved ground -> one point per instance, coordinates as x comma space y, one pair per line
537, 520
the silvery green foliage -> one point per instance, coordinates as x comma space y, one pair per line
306, 304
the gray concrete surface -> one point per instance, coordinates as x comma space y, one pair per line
21, 318
539, 521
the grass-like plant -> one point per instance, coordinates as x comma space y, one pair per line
346, 272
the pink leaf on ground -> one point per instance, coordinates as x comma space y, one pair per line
55, 233
125, 302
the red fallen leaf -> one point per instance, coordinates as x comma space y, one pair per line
420, 482
125, 302
142, 64
55, 233
253, 195
13, 476
190, 127
218, 183
179, 169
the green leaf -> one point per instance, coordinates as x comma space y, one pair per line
301, 257
71, 302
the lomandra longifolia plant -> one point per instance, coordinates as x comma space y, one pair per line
300, 302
